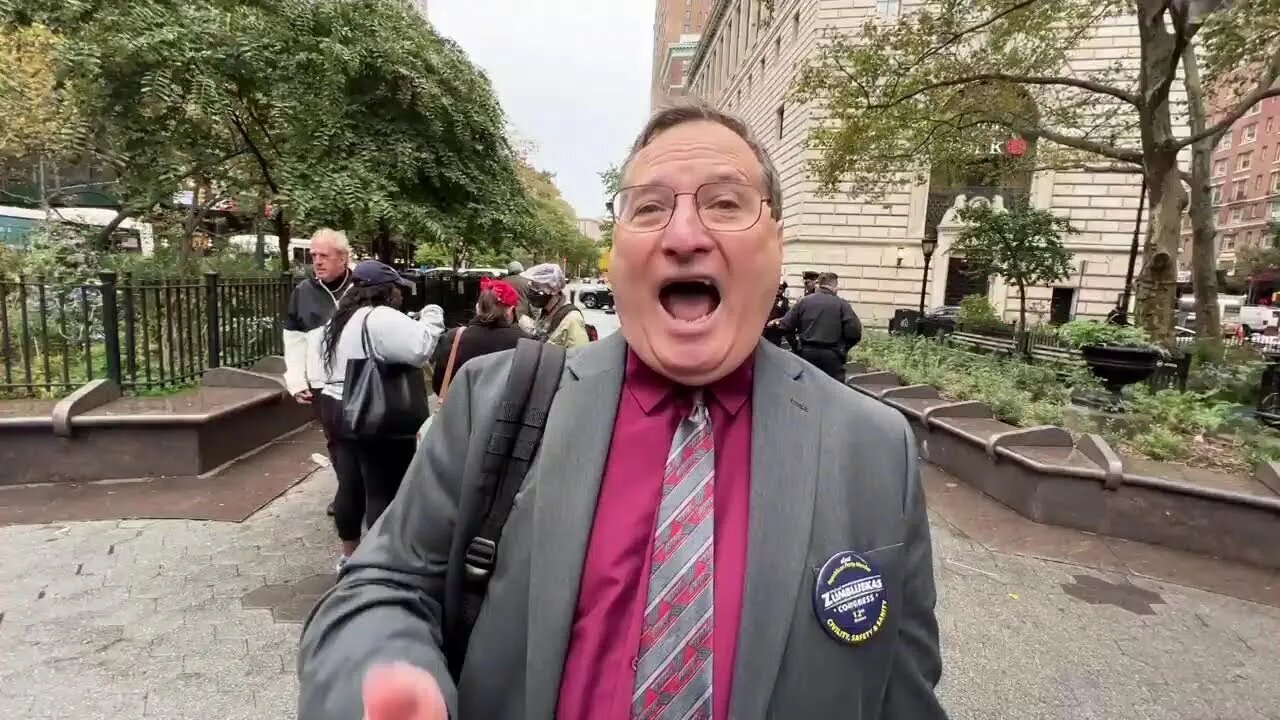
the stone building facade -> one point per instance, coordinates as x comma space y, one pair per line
676, 28
746, 63
1245, 187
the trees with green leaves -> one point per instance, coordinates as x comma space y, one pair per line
353, 113
611, 178
920, 93
1022, 244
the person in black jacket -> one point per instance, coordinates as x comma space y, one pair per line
827, 325
781, 304
493, 329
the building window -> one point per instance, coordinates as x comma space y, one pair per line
1250, 134
888, 8
1257, 183
1225, 142
1255, 109
1220, 168
1215, 194
1228, 242
1253, 211
1248, 239
1271, 124
1244, 161
795, 27
1238, 190
1275, 211
1275, 182
782, 116
1237, 216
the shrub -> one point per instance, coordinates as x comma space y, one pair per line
1081, 333
978, 314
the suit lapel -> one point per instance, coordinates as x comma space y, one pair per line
784, 469
566, 485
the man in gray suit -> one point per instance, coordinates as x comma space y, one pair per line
712, 527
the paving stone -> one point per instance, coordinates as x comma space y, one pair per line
201, 620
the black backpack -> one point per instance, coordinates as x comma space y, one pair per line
511, 447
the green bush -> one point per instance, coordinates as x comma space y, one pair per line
1027, 394
978, 314
1081, 333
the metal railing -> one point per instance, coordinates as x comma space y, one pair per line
145, 334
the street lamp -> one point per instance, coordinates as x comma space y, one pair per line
927, 246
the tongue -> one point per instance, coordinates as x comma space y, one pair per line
689, 306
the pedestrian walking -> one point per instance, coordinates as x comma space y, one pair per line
493, 329
311, 304
369, 324
826, 326
559, 321
521, 286
711, 528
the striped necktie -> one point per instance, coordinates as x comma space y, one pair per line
673, 670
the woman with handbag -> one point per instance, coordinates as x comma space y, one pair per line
373, 354
493, 329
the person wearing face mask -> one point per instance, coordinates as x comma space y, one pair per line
711, 528
558, 321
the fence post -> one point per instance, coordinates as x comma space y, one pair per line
111, 325
211, 316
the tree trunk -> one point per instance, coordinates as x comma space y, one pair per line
260, 244
104, 235
384, 248
1020, 340
282, 238
1157, 283
1204, 276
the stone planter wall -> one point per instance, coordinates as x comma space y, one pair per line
1045, 475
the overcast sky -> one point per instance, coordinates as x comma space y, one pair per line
572, 75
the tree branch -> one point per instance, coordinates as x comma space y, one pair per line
1265, 88
263, 165
1108, 151
1080, 83
972, 29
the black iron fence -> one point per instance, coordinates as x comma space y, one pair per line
146, 334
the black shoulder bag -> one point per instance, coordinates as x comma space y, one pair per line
509, 451
381, 399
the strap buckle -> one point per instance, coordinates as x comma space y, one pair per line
481, 554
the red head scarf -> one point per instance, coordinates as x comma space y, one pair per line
501, 289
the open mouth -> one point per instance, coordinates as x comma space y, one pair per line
689, 300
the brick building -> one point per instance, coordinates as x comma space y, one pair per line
745, 64
1245, 185
676, 28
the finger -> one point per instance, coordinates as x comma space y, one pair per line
402, 692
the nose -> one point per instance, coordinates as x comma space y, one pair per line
685, 236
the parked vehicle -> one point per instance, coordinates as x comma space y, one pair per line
596, 297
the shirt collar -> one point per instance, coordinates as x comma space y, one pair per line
652, 390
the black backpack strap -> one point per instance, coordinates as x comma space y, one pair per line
512, 446
483, 550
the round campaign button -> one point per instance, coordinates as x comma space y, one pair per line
849, 598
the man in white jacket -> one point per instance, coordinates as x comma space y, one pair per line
310, 307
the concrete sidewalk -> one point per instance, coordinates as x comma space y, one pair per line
125, 619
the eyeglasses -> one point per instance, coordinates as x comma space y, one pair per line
721, 206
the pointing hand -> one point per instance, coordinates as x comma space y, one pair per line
402, 692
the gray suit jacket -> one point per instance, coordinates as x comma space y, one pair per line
831, 472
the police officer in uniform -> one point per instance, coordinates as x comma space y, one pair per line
826, 324
781, 304
810, 282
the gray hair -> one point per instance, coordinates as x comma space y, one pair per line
336, 238
829, 280
688, 112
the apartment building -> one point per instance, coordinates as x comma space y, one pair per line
1245, 186
677, 25
745, 64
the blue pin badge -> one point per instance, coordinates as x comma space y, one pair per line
849, 598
